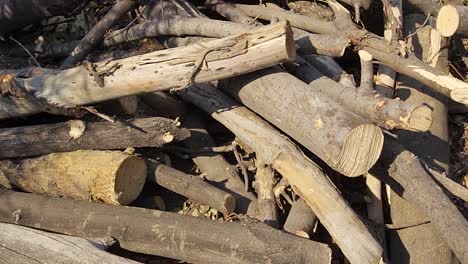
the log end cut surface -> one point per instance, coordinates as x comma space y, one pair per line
360, 150
420, 118
129, 180
448, 20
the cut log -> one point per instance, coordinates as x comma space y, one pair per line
264, 183
301, 219
106, 176
80, 135
306, 177
346, 142
172, 235
453, 20
24, 245
160, 70
431, 147
384, 112
378, 47
427, 196
15, 14
216, 169
190, 186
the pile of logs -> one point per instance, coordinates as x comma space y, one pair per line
226, 132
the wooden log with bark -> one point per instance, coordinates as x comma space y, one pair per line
378, 47
160, 70
80, 135
346, 142
384, 112
160, 233
105, 176
30, 246
213, 165
301, 219
190, 186
306, 177
421, 191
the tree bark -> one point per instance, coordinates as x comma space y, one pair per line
160, 233
217, 170
15, 14
80, 135
378, 47
264, 183
24, 245
387, 113
306, 177
346, 142
191, 187
301, 219
106, 176
427, 196
160, 70
229, 12
453, 20
431, 147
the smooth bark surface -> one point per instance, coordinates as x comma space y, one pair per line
345, 141
301, 219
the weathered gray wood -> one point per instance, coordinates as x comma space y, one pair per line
216, 169
80, 135
301, 219
431, 147
22, 245
112, 177
305, 176
190, 186
384, 112
264, 183
172, 235
159, 70
345, 141
429, 200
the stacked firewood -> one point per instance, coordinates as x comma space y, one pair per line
225, 132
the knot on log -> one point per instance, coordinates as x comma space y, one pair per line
9, 87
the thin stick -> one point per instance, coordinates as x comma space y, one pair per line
27, 51
243, 169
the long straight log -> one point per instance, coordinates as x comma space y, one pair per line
80, 135
15, 14
29, 246
106, 176
190, 186
384, 112
172, 235
160, 70
346, 142
377, 46
306, 177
